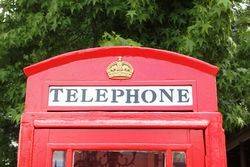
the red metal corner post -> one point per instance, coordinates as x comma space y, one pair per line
215, 144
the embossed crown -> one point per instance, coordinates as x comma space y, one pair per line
120, 69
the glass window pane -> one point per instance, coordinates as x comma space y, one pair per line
119, 159
179, 159
58, 159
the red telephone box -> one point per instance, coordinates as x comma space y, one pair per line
121, 107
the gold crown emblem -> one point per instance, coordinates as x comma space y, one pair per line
120, 69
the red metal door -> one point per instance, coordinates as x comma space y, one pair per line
71, 147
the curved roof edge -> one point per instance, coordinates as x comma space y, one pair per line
118, 50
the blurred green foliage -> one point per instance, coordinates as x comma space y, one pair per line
216, 31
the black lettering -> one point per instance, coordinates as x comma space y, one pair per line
101, 93
143, 96
84, 98
169, 97
71, 95
116, 93
182, 93
56, 92
135, 95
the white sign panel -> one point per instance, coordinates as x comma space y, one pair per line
90, 96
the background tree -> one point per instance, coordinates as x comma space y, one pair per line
216, 31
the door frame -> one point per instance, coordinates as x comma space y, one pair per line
209, 122
168, 148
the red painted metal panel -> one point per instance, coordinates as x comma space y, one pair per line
117, 51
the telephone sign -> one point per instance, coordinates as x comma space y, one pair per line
120, 96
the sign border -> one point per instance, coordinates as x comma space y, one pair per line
47, 84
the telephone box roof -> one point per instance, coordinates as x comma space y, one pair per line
118, 51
